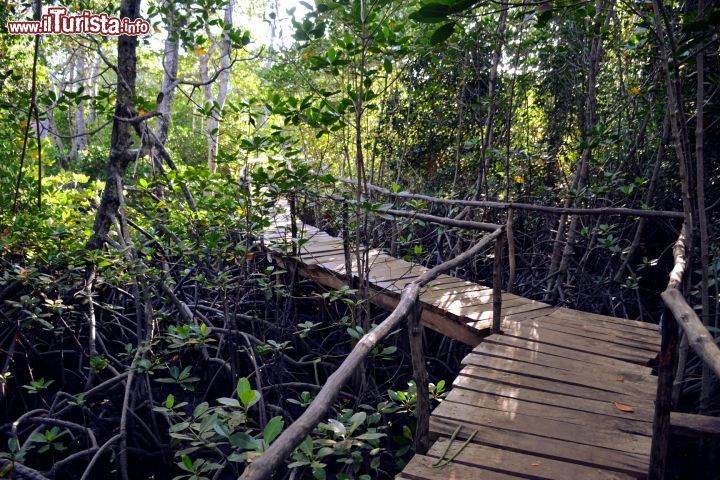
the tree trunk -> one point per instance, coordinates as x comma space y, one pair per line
121, 139
558, 261
167, 90
79, 142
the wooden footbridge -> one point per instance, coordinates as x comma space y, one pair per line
549, 393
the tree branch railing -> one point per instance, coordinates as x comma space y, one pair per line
408, 309
679, 315
629, 212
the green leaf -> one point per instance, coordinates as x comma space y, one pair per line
273, 429
442, 33
243, 441
370, 436
243, 386
431, 13
187, 462
229, 402
357, 420
307, 446
250, 398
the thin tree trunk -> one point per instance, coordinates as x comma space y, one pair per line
167, 91
121, 139
596, 52
706, 384
80, 141
213, 125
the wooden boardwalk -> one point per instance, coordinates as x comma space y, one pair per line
560, 394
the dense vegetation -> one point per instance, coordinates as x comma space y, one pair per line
145, 332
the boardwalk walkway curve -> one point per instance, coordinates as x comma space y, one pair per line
558, 394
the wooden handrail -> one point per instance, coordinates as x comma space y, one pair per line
699, 338
678, 314
263, 467
449, 222
630, 212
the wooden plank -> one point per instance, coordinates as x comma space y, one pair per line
543, 427
596, 334
631, 463
463, 289
628, 424
642, 412
482, 314
527, 315
606, 320
421, 468
605, 349
695, 425
627, 371
600, 380
520, 464
581, 322
440, 282
463, 305
479, 374
563, 352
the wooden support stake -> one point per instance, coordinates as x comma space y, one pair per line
663, 400
511, 250
420, 375
497, 284
346, 244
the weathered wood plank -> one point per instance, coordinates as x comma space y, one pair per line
624, 370
521, 464
604, 336
581, 321
596, 347
421, 468
590, 405
543, 427
477, 373
695, 425
630, 423
560, 351
604, 319
631, 463
599, 380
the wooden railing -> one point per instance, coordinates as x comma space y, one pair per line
679, 314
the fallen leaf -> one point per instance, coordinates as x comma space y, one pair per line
620, 378
536, 464
623, 407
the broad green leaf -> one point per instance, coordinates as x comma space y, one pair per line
442, 33
273, 429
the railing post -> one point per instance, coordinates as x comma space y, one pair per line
420, 375
511, 250
346, 244
497, 284
663, 399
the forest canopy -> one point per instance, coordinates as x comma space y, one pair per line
147, 330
